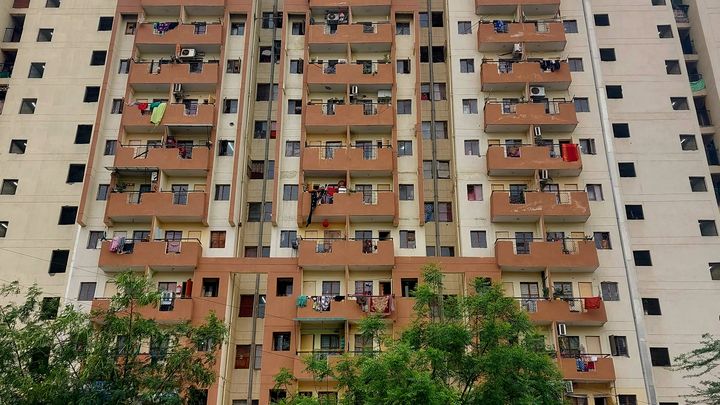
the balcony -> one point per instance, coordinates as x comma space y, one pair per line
333, 4
371, 206
320, 116
603, 369
529, 7
327, 254
352, 308
174, 161
535, 37
332, 357
506, 76
559, 206
166, 206
350, 73
372, 37
525, 160
570, 311
577, 255
6, 70
12, 35
170, 73
183, 35
180, 255
175, 115
551, 116
180, 311
362, 161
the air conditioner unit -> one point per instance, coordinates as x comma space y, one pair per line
538, 132
177, 88
537, 91
543, 174
187, 53
332, 17
354, 90
562, 329
569, 387
517, 49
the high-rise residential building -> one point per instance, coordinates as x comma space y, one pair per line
291, 165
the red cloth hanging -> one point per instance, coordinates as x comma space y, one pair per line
592, 302
142, 106
570, 152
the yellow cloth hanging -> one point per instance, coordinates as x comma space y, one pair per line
158, 113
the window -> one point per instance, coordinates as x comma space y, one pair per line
658, 2
408, 286
281, 341
58, 261
609, 291
403, 66
294, 107
576, 65
257, 169
124, 67
464, 27
467, 65
614, 92
618, 346
103, 192
284, 287
49, 308
405, 148
602, 240
404, 106
627, 169
478, 239
331, 288
9, 187
298, 28
94, 239
3, 228
438, 54
105, 24
582, 104
27, 106
296, 66
263, 92
445, 251
587, 146
292, 148
230, 106
52, 4
440, 130
226, 148
217, 239
570, 26
402, 28
627, 400
242, 357
261, 130
443, 169
110, 146
67, 215
247, 304
277, 395
714, 271
252, 251
697, 184
621, 130
407, 239
268, 20
45, 35
210, 287
607, 54
439, 92
707, 227
688, 142
232, 66
18, 146
660, 356
254, 213
665, 31
436, 19
87, 292
474, 192
470, 106
37, 69
679, 103
651, 306
642, 258
407, 192
672, 67
472, 147
444, 214
602, 20
288, 239
594, 192
130, 27
76, 172
92, 94
634, 211
290, 192
237, 28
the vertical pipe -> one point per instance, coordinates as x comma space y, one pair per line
433, 133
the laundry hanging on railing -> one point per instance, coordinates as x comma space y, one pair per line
321, 304
697, 85
315, 196
159, 28
117, 243
157, 113
570, 152
549, 65
301, 301
592, 303
500, 26
173, 246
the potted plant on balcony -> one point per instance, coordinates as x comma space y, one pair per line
546, 293
558, 293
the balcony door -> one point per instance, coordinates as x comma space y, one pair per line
517, 193
330, 148
180, 194
367, 148
173, 235
522, 242
367, 192
363, 288
530, 292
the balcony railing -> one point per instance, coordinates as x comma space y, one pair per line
680, 12
587, 367
588, 311
578, 254
354, 306
6, 70
122, 254
529, 206
703, 117
357, 253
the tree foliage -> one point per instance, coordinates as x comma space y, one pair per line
701, 363
113, 356
479, 349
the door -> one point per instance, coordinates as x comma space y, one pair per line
554, 189
530, 292
508, 289
309, 288
173, 235
363, 288
141, 236
329, 238
592, 344
180, 194
517, 193
366, 238
307, 343
569, 345
385, 288
330, 148
563, 289
522, 242
367, 148
185, 149
367, 192
586, 290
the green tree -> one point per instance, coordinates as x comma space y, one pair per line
459, 350
701, 363
113, 356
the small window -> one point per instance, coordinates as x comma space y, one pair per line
660, 356
467, 65
242, 356
404, 106
9, 187
627, 399
614, 92
49, 308
618, 346
18, 146
117, 106
627, 169
621, 130
602, 20
438, 54
294, 107
582, 104
232, 66
94, 239
27, 106
296, 66
255, 211
3, 228
474, 192
237, 28
602, 240
292, 148
444, 214
290, 192
445, 251
130, 27
405, 148
651, 306
222, 192
52, 4
281, 341
217, 239
688, 142
607, 54
707, 227
37, 70
464, 27
92, 94
58, 259
570, 26
124, 66
408, 286
402, 28
284, 287
226, 148
634, 212
263, 92
210, 287
679, 103
697, 184
87, 291
105, 24
288, 239
298, 28
68, 214
407, 240
665, 31
470, 106
609, 290
642, 258
83, 134
440, 130
403, 66
658, 2
407, 192
76, 173
478, 239
230, 106
269, 20
594, 192
714, 271
252, 251
576, 65
672, 67
45, 35
103, 192
436, 19
257, 170
587, 146
110, 146
472, 147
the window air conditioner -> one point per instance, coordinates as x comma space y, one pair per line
537, 91
177, 88
569, 387
354, 90
543, 174
538, 132
562, 329
517, 49
187, 53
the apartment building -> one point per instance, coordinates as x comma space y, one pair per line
291, 165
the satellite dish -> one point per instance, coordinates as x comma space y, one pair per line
266, 52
